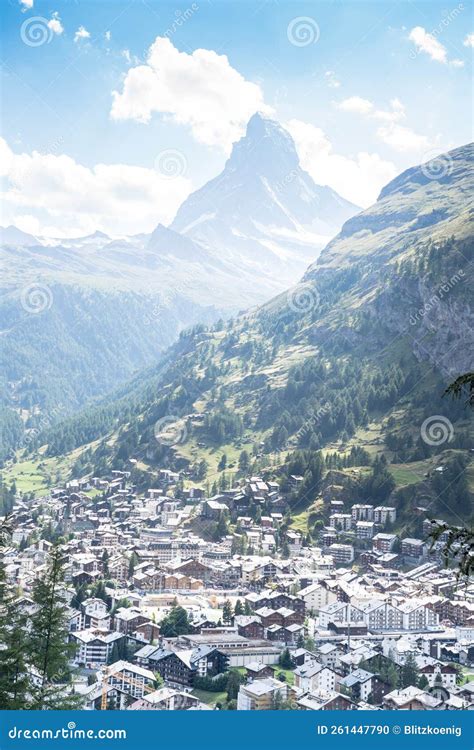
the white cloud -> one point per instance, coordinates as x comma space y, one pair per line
108, 35
54, 190
358, 179
360, 106
402, 138
26, 5
356, 104
399, 137
54, 24
395, 113
428, 43
81, 33
200, 90
469, 41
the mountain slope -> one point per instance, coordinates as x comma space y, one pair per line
432, 199
80, 316
13, 236
356, 355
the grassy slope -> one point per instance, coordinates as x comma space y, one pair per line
245, 380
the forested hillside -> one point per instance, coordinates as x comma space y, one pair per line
357, 356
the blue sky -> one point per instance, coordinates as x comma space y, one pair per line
366, 89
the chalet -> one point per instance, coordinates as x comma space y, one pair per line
410, 699
167, 699
211, 509
181, 666
360, 685
256, 670
326, 701
192, 568
250, 626
282, 616
127, 620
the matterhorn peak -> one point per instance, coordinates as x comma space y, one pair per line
266, 147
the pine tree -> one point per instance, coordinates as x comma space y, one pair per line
285, 660
131, 564
49, 649
409, 673
423, 682
244, 461
105, 563
176, 623
227, 613
234, 682
14, 679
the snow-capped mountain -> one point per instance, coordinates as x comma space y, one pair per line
17, 238
264, 211
236, 242
112, 304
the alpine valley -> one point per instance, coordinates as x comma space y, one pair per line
80, 316
337, 380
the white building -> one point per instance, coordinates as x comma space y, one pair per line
316, 595
94, 647
313, 676
343, 554
384, 514
361, 512
341, 521
364, 529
